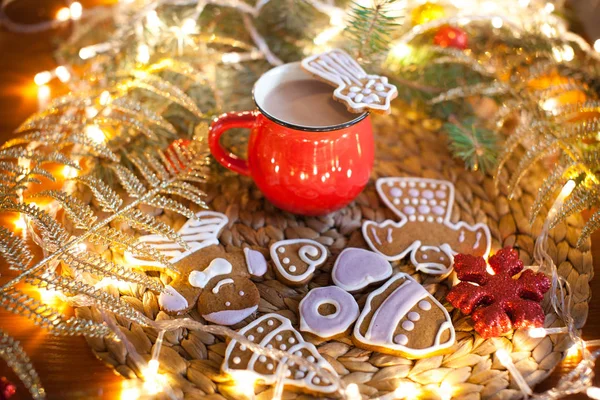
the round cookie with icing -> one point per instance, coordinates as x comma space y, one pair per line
296, 259
327, 312
218, 281
274, 331
402, 318
357, 268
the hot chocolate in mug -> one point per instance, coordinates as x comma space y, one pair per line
306, 152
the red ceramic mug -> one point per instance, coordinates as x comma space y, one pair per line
309, 170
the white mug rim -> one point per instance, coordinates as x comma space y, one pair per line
293, 71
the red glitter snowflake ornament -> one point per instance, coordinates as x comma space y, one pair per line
498, 303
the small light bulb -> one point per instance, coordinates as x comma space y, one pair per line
497, 22
406, 390
230, 58
597, 45
69, 172
503, 357
62, 73
143, 54
76, 10
537, 333
445, 391
86, 53
82, 247
47, 296
105, 98
573, 351
64, 14
153, 20
95, 134
42, 78
593, 392
524, 3
189, 26
20, 223
401, 50
549, 7
352, 392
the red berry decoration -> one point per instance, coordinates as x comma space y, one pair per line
500, 303
449, 36
7, 389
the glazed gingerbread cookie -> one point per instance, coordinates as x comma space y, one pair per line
296, 259
358, 90
424, 230
355, 269
402, 318
326, 323
199, 232
274, 331
216, 280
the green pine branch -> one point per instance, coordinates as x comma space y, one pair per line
476, 146
370, 28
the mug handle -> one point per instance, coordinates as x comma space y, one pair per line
218, 127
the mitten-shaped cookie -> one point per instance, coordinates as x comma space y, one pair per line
424, 230
401, 317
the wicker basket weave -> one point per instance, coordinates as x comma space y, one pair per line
407, 145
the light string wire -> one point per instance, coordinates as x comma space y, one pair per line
578, 380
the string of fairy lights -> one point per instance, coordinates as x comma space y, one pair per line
520, 14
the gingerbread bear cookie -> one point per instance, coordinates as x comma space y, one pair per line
274, 331
296, 259
358, 90
216, 280
401, 317
327, 323
424, 230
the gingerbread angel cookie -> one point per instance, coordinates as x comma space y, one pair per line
274, 331
401, 317
424, 230
296, 259
359, 90
217, 280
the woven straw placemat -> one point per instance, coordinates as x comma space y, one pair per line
408, 144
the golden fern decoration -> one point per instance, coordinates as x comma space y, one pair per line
115, 109
173, 172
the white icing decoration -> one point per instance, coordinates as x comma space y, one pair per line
255, 261
217, 267
307, 254
171, 300
230, 317
292, 340
286, 260
203, 231
396, 201
241, 293
408, 214
408, 325
251, 337
414, 316
355, 269
384, 320
424, 305
260, 329
237, 360
278, 338
401, 339
341, 70
301, 348
282, 347
222, 282
227, 303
